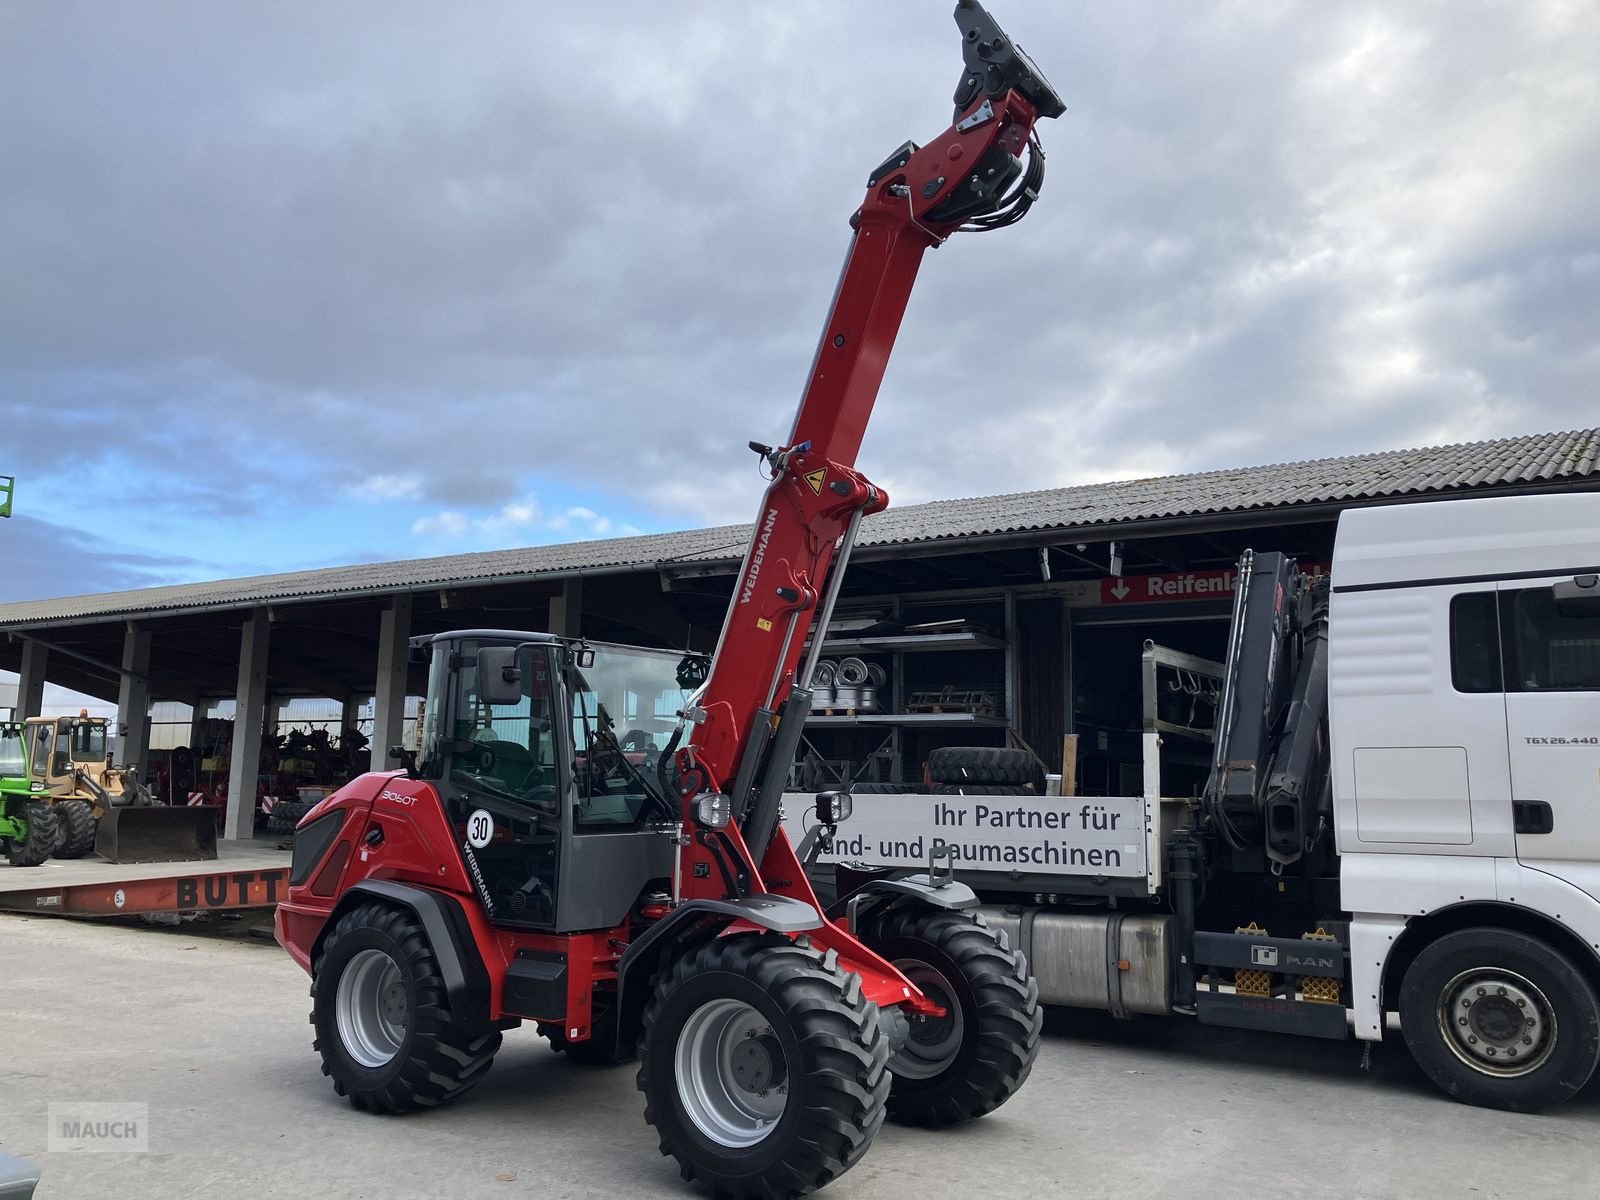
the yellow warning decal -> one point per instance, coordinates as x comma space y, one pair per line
764, 625
815, 478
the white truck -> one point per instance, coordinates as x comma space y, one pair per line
1400, 814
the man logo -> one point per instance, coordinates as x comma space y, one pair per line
1264, 956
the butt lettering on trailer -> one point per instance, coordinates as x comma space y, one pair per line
260, 888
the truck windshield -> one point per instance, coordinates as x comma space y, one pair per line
13, 763
624, 709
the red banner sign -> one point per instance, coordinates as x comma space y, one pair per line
1171, 586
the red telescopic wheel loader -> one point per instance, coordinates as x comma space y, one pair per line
589, 837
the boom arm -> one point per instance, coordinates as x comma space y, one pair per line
757, 695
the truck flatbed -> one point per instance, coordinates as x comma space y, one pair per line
243, 875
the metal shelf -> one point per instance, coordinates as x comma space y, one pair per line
906, 643
921, 720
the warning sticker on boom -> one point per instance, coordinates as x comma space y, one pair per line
815, 478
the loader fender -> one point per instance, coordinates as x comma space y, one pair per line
692, 922
466, 979
877, 892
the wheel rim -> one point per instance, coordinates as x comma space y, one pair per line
933, 1042
732, 1073
1497, 1022
372, 1008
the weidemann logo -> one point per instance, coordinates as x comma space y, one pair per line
97, 1127
749, 588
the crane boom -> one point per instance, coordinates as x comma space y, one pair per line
748, 722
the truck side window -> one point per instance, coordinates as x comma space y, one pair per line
1474, 643
1548, 649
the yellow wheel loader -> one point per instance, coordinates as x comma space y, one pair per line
104, 808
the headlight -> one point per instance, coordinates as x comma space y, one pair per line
713, 810
833, 807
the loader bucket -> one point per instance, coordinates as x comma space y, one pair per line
156, 833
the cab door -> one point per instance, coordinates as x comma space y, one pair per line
505, 787
1550, 634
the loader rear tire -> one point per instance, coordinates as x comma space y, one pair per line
44, 835
384, 1028
972, 1060
77, 828
763, 1066
982, 764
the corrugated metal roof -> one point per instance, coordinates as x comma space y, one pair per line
1507, 462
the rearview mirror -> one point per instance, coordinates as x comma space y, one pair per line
499, 677
1578, 596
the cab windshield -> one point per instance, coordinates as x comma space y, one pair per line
624, 709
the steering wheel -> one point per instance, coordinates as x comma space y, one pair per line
602, 760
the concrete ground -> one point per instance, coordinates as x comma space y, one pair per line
209, 1028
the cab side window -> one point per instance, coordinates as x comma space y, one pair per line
1549, 647
41, 750
1475, 643
510, 748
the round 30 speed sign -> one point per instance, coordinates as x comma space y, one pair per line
480, 828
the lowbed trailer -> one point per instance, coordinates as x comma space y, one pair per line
242, 875
1400, 817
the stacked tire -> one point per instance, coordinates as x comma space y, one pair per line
286, 815
984, 771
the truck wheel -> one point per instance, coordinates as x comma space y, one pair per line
972, 1060
77, 821
1500, 1019
982, 764
384, 1030
44, 834
764, 1068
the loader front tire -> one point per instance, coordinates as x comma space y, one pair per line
972, 1060
77, 828
44, 835
384, 1029
764, 1068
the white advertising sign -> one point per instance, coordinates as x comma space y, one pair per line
1038, 835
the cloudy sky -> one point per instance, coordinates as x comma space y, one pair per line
300, 284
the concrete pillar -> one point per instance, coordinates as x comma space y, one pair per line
133, 701
350, 712
30, 688
566, 610
199, 708
389, 700
249, 715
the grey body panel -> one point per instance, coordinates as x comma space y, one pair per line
602, 874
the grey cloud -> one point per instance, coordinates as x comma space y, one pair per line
460, 243
46, 560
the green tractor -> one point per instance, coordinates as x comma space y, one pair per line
30, 828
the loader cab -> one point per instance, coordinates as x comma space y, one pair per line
546, 754
60, 746
13, 752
